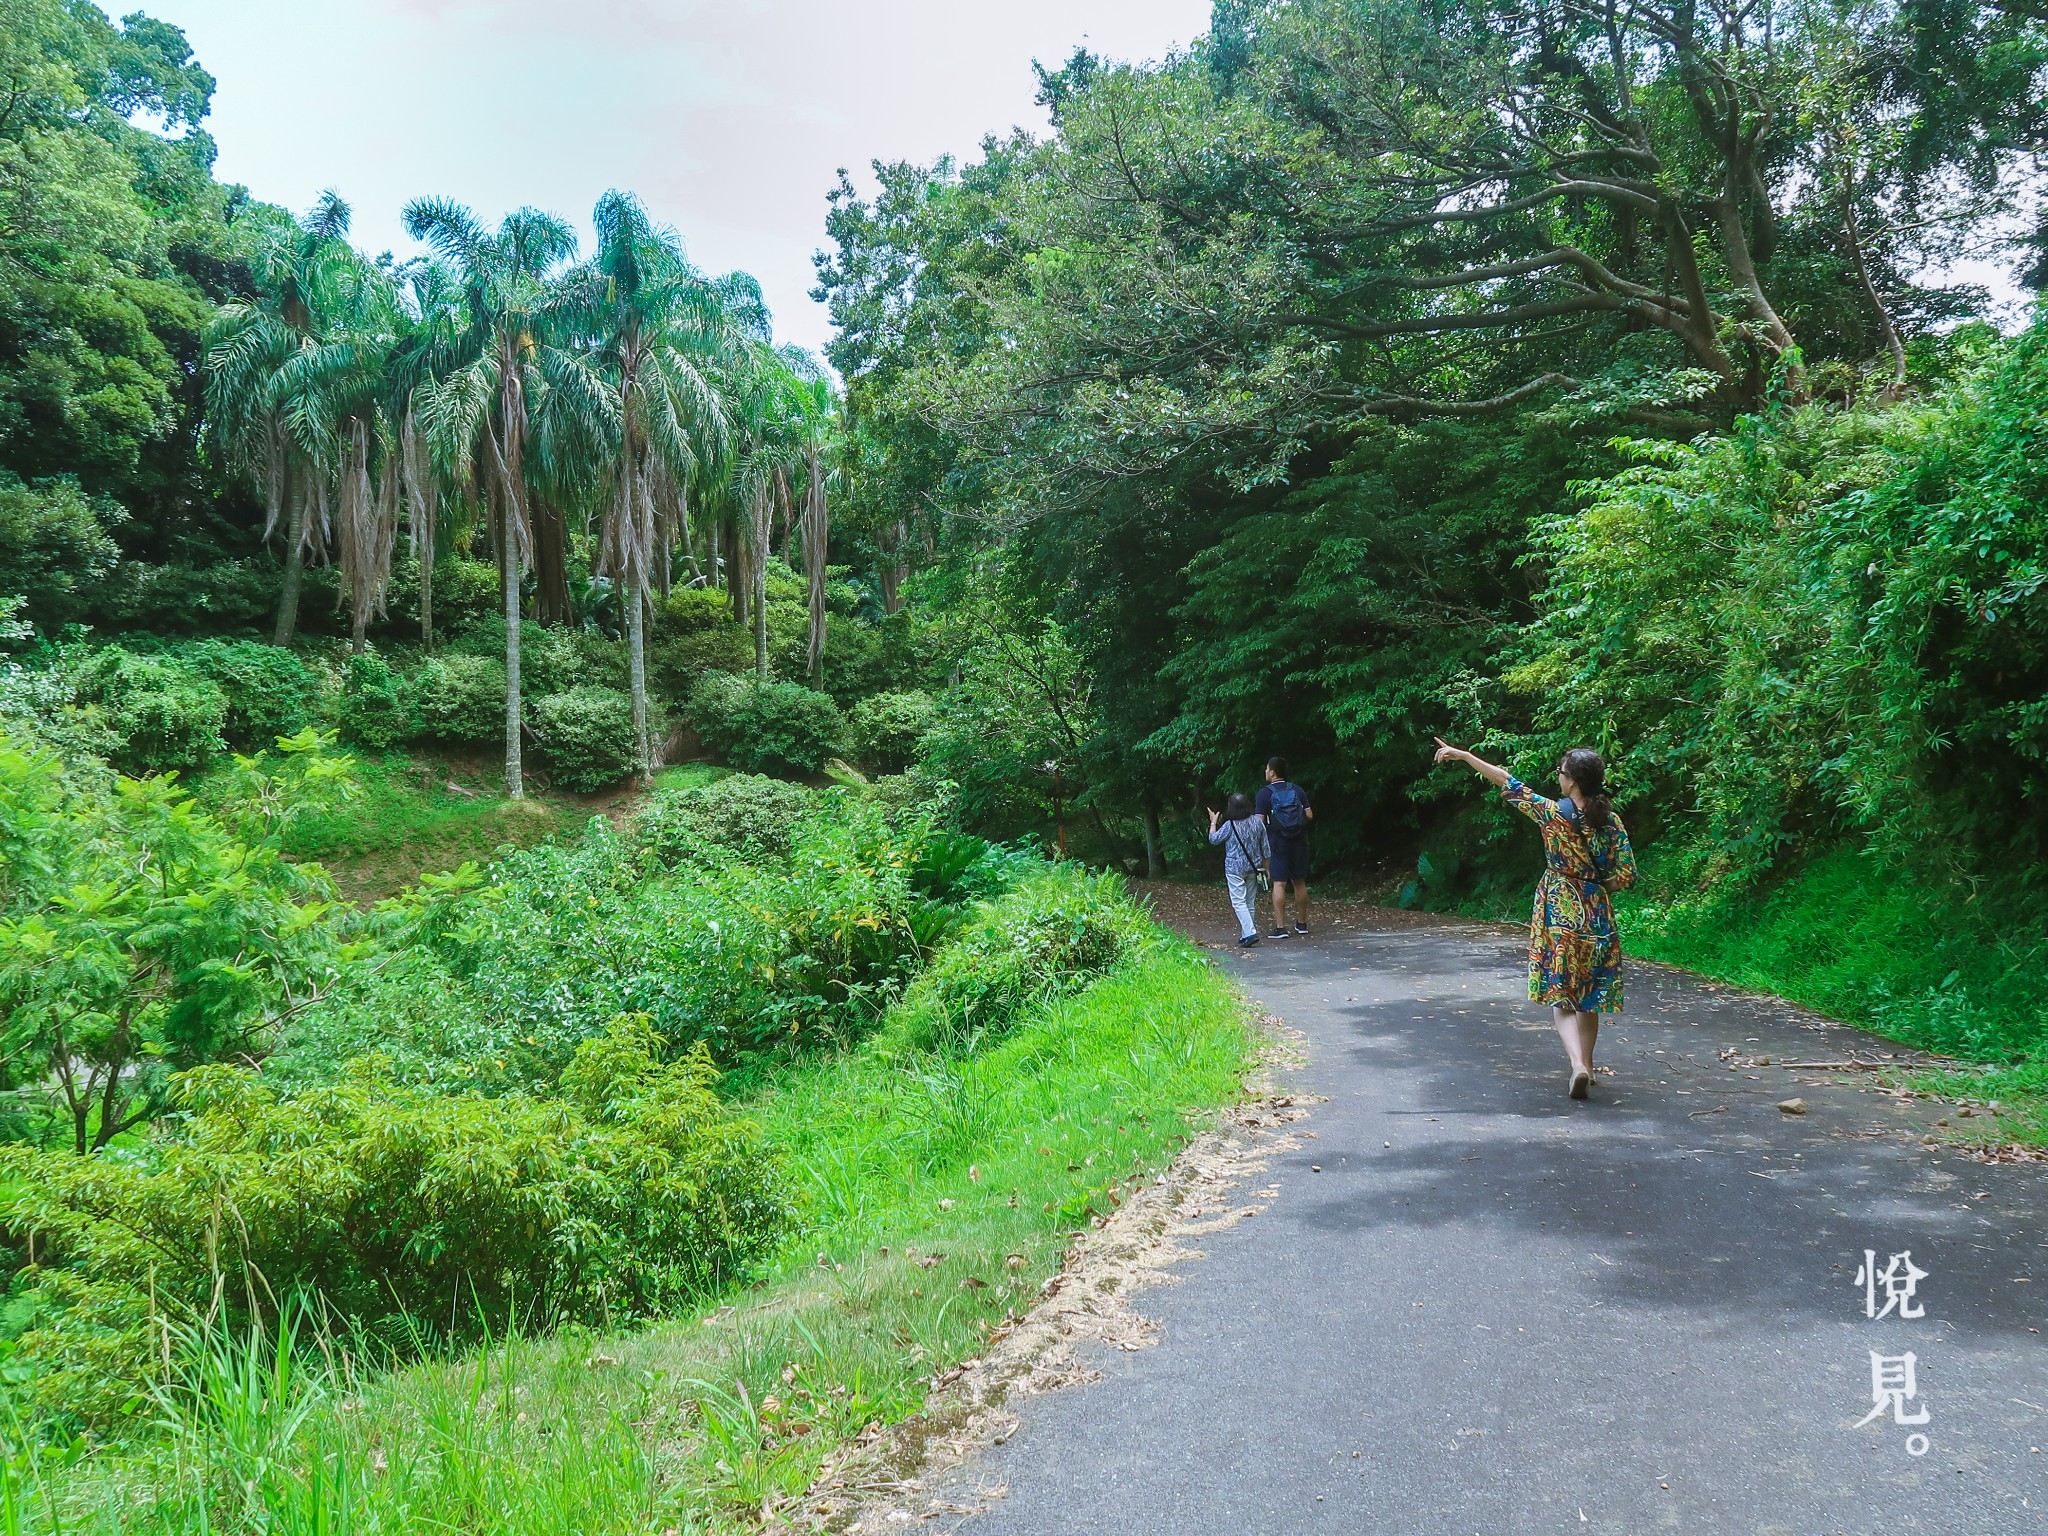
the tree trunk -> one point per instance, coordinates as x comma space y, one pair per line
1155, 853
636, 661
758, 570
551, 601
761, 621
515, 750
427, 600
1887, 332
294, 564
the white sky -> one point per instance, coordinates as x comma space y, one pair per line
728, 118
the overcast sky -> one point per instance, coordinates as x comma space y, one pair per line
729, 118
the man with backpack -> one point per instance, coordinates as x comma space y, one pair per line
1287, 814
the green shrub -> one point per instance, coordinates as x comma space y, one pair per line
1044, 939
675, 663
691, 610
462, 699
745, 814
550, 661
55, 548
743, 954
163, 715
631, 1191
376, 704
883, 731
192, 933
587, 733
270, 691
466, 595
766, 727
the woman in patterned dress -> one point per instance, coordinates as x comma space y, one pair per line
1574, 950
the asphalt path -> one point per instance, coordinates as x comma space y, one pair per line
1494, 1310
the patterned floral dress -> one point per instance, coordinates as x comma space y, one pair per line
1574, 950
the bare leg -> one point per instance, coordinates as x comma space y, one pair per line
1301, 902
1279, 906
1568, 1032
1578, 1045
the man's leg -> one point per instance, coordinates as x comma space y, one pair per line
1301, 904
1279, 907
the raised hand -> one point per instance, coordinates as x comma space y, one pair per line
1446, 753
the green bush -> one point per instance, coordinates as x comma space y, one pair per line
883, 731
163, 715
630, 1191
744, 954
1045, 938
745, 814
675, 663
270, 691
587, 734
550, 661
466, 595
691, 610
766, 727
461, 699
376, 704
55, 550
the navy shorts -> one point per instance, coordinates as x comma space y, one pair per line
1290, 859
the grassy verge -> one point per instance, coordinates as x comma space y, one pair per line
1963, 974
939, 1195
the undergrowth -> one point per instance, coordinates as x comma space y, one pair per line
938, 1192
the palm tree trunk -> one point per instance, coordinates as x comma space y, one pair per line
515, 758
551, 601
294, 564
427, 600
761, 621
757, 568
636, 661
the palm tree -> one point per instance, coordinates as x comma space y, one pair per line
248, 347
437, 321
478, 405
816, 427
771, 389
659, 334
336, 387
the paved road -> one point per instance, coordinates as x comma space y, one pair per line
1496, 1311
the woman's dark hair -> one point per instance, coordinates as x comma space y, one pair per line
1278, 765
1237, 807
1588, 770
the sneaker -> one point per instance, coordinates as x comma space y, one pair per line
1277, 933
1249, 940
1300, 932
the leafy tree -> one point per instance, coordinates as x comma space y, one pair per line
141, 935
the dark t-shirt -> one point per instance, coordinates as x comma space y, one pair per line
1265, 805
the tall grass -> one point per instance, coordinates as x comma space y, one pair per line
1952, 970
939, 1195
